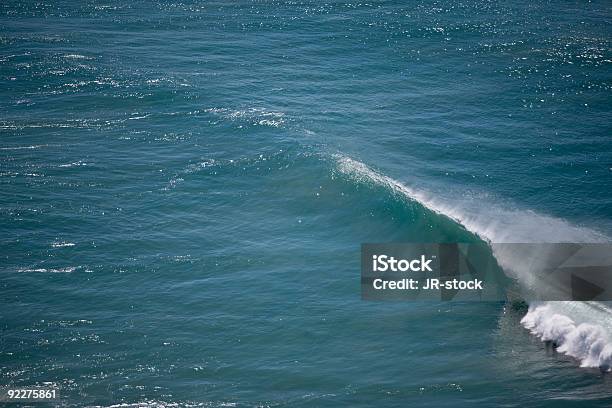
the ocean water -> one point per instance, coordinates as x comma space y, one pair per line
185, 187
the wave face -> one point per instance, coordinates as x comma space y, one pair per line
581, 329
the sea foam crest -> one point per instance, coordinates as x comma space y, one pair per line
490, 222
589, 343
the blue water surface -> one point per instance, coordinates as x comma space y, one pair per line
175, 227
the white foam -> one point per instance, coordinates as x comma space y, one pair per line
77, 56
68, 269
23, 147
589, 343
582, 330
258, 116
62, 244
73, 164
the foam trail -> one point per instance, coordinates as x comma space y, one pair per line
582, 330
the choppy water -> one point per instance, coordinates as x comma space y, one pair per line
185, 186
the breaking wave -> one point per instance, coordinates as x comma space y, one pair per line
587, 342
579, 329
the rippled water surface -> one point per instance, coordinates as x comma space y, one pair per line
185, 187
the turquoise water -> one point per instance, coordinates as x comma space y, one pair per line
186, 185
